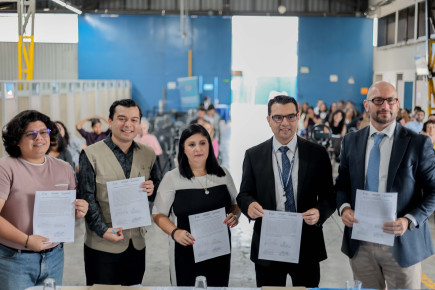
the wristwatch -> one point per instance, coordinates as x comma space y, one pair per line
411, 225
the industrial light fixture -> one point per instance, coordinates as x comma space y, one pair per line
67, 6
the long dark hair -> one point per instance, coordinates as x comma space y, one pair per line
211, 165
14, 130
66, 137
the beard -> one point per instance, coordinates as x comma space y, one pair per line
383, 119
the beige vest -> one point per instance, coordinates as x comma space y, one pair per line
107, 168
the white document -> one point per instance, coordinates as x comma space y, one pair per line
53, 215
372, 210
128, 203
280, 238
210, 233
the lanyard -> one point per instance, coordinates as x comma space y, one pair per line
290, 171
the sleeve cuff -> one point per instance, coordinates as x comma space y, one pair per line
343, 206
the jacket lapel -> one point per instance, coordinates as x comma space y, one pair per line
360, 146
303, 166
401, 141
269, 179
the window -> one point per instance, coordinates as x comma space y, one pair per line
405, 27
382, 31
421, 20
391, 28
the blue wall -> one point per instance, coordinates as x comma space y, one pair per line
341, 46
149, 51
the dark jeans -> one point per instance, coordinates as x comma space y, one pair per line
126, 268
302, 274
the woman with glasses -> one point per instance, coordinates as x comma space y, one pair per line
27, 259
198, 185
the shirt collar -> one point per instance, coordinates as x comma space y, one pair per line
291, 145
113, 146
389, 131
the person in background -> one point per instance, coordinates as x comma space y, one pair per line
115, 256
406, 115
214, 119
97, 133
337, 125
429, 130
341, 105
146, 138
365, 121
416, 125
331, 111
207, 102
196, 186
214, 142
271, 182
311, 119
58, 150
317, 108
26, 259
73, 144
323, 112
386, 157
301, 127
200, 115
338, 129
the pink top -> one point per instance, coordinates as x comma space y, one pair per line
150, 140
215, 144
20, 179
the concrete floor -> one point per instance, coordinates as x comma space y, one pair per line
243, 133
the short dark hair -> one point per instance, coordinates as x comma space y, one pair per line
211, 107
427, 123
201, 108
125, 103
66, 137
95, 121
421, 110
15, 128
281, 99
211, 165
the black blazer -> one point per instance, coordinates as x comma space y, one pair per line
411, 173
315, 190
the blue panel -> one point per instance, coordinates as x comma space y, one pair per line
341, 46
408, 92
149, 51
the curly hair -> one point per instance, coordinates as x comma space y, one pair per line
14, 130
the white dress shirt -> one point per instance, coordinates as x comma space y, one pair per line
385, 148
277, 157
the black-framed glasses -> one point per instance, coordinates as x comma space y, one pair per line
32, 134
289, 117
379, 101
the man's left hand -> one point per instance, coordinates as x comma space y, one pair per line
148, 187
398, 227
311, 216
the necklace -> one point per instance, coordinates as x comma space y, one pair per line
204, 187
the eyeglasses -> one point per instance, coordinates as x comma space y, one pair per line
289, 117
379, 101
32, 134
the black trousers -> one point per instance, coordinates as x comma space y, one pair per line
126, 268
302, 274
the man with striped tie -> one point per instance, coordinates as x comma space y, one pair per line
288, 173
386, 157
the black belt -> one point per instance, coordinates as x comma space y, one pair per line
30, 251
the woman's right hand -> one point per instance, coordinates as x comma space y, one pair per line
184, 238
36, 243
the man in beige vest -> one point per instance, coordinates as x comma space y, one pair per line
114, 256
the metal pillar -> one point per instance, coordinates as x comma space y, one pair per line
26, 44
